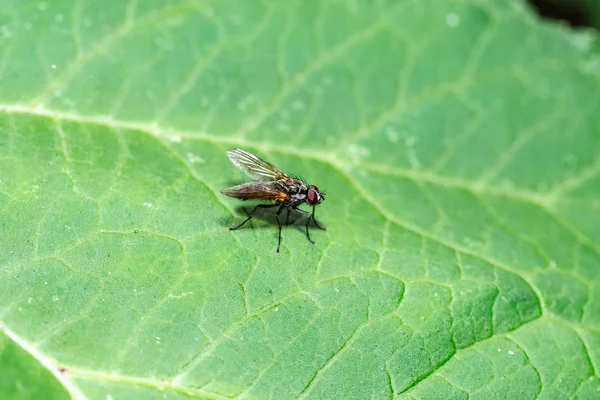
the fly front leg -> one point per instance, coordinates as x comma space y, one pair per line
307, 221
252, 214
315, 221
301, 211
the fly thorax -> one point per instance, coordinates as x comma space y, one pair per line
298, 197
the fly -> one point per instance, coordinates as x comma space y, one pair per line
271, 183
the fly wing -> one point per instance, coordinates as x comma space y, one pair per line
255, 167
257, 190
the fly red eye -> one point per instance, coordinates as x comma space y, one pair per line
312, 197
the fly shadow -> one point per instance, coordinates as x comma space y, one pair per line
287, 217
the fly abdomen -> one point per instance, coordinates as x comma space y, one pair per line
268, 190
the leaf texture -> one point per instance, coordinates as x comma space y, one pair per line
459, 143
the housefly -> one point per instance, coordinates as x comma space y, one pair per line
271, 183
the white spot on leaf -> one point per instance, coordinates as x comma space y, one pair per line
473, 244
236, 19
298, 105
413, 159
452, 20
591, 65
356, 153
410, 141
148, 204
179, 296
6, 32
194, 159
582, 40
392, 134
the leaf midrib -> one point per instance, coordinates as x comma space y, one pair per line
167, 134
172, 135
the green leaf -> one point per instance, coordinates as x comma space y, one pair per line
459, 144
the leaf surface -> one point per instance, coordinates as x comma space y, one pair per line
459, 145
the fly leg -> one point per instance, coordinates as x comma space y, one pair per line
300, 211
251, 214
315, 221
279, 223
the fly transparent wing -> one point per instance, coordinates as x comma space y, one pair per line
255, 167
